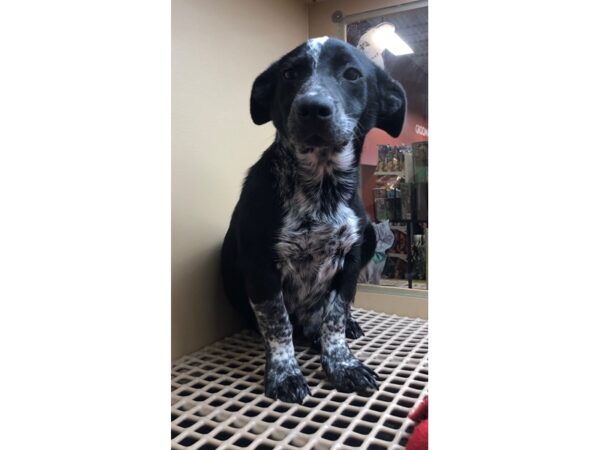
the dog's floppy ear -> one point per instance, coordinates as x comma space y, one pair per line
261, 98
392, 104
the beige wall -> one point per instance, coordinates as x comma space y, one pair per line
319, 14
218, 48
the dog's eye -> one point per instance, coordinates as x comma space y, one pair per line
289, 74
352, 74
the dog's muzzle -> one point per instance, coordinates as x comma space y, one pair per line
313, 118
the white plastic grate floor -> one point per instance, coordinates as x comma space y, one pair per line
218, 401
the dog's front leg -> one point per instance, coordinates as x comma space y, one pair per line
343, 369
283, 378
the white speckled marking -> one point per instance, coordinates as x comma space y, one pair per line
314, 47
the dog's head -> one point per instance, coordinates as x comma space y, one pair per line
324, 93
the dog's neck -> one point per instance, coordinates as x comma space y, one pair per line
322, 177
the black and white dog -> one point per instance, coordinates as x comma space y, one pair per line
299, 234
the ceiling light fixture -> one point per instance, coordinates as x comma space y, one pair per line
385, 36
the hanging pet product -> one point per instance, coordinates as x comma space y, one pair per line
384, 236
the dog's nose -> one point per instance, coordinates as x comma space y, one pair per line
312, 107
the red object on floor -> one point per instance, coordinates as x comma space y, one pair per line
419, 438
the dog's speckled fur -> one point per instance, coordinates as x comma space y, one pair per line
299, 234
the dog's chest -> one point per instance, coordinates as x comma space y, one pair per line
311, 248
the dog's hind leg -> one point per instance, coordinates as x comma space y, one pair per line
233, 282
367, 250
368, 246
353, 329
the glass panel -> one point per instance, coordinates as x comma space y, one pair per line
394, 170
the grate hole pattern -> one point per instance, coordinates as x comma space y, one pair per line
218, 401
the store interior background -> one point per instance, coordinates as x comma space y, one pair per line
209, 161
405, 261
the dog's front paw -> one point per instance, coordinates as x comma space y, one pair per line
350, 375
286, 385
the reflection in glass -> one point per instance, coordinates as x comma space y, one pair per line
394, 180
